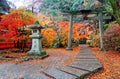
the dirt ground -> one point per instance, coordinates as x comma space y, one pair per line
57, 57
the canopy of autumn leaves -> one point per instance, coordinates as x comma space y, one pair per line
14, 20
60, 32
56, 30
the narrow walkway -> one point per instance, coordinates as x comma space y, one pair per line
84, 64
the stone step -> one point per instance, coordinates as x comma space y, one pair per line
77, 72
78, 62
89, 56
57, 74
84, 52
37, 76
91, 67
86, 60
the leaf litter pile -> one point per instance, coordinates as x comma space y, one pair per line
110, 61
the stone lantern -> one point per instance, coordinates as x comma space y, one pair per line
36, 36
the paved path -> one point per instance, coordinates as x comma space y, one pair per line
84, 64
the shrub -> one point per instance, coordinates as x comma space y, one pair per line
111, 37
96, 41
48, 37
89, 42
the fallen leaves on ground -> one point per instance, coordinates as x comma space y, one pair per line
11, 57
110, 61
57, 57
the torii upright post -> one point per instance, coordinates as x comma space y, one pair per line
101, 29
69, 47
100, 18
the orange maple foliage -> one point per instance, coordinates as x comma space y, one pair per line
16, 18
64, 25
60, 28
48, 36
61, 31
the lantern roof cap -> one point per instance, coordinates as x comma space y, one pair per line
36, 25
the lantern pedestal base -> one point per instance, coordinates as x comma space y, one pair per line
40, 54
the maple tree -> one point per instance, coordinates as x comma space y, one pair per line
14, 20
61, 32
64, 25
13, 25
48, 37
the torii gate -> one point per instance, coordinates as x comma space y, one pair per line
99, 18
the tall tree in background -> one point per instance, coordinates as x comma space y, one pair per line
113, 7
34, 5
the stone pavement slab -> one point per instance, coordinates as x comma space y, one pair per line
57, 74
37, 76
91, 67
26, 70
74, 71
86, 60
84, 64
86, 56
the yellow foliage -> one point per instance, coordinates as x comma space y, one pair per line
112, 24
49, 34
43, 20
